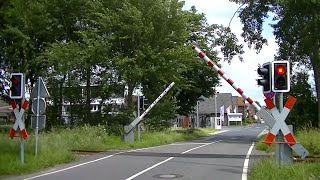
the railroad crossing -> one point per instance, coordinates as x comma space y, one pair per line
274, 119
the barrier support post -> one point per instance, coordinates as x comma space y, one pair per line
284, 154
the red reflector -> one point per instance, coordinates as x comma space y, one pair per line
280, 70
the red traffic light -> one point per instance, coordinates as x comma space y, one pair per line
16, 86
280, 81
14, 81
280, 70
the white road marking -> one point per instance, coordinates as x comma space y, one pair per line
168, 159
71, 167
89, 162
178, 144
141, 172
199, 147
246, 164
218, 132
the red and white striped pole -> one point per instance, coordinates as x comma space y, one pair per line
224, 76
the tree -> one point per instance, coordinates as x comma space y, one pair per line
304, 115
145, 42
81, 47
73, 42
296, 29
22, 35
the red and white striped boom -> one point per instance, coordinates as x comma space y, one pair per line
262, 112
224, 76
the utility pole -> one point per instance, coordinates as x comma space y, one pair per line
139, 125
197, 114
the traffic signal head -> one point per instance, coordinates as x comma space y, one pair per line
265, 72
16, 86
141, 102
280, 76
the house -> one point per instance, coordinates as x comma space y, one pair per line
246, 109
210, 107
110, 106
242, 108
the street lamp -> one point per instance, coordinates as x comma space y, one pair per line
197, 114
215, 104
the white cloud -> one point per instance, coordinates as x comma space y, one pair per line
244, 74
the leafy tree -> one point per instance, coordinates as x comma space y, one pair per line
23, 34
304, 115
81, 49
296, 28
112, 44
198, 79
144, 40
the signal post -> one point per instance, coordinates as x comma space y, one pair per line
17, 92
275, 76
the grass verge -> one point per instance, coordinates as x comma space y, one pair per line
268, 169
55, 147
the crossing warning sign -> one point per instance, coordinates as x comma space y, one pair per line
280, 124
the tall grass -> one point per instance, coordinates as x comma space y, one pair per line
55, 147
310, 139
268, 169
262, 146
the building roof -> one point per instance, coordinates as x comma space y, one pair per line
207, 106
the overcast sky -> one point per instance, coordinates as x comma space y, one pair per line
244, 74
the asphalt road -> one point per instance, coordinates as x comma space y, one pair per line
220, 156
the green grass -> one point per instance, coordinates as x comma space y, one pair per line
262, 146
268, 169
310, 139
55, 147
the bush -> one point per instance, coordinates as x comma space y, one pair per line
114, 123
156, 124
249, 121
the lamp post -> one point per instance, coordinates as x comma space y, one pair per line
215, 105
197, 114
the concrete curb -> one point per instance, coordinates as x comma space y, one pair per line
218, 132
